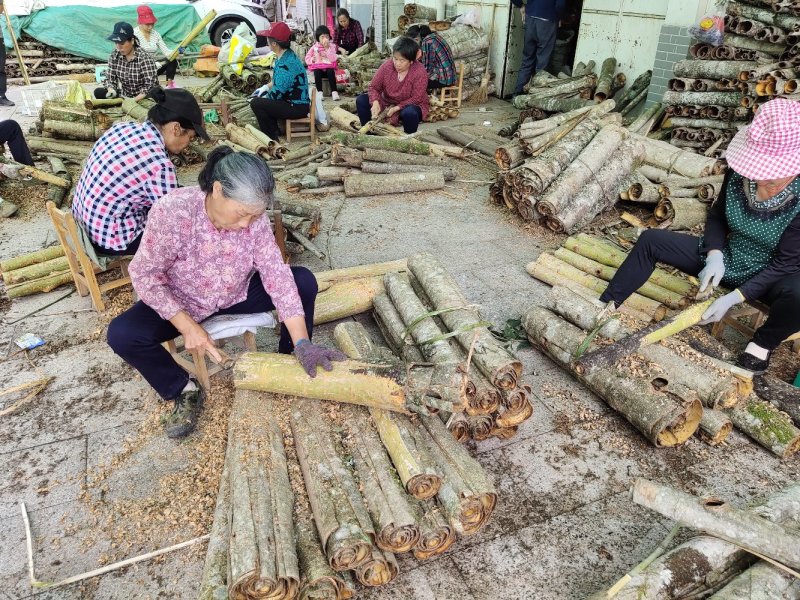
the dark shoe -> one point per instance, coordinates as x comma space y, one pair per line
6, 102
751, 363
183, 418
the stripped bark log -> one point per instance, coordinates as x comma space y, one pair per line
768, 426
666, 415
356, 186
449, 173
346, 298
718, 518
715, 426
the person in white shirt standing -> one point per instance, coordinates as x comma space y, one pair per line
153, 44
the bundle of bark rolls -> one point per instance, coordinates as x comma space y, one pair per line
667, 390
35, 272
720, 561
361, 66
470, 47
44, 63
716, 92
364, 165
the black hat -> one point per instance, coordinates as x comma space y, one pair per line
183, 105
122, 32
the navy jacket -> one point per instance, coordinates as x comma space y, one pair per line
543, 9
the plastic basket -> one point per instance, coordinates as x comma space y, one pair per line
33, 96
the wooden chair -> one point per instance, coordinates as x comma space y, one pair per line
746, 319
451, 95
196, 363
83, 268
280, 231
309, 121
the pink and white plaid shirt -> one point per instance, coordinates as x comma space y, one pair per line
185, 263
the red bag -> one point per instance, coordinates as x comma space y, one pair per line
342, 76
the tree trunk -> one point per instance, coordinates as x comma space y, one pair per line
262, 555
448, 173
702, 98
73, 129
716, 517
342, 520
470, 142
356, 186
712, 123
769, 427
346, 298
335, 173
570, 182
704, 561
771, 581
346, 157
715, 426
674, 160
552, 271
402, 158
501, 368
214, 583
409, 146
649, 290
712, 69
665, 414
603, 89
32, 258
67, 148
36, 271
688, 213
44, 284
784, 396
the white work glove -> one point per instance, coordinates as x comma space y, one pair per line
720, 306
10, 171
261, 91
713, 271
111, 93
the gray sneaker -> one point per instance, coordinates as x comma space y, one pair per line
183, 418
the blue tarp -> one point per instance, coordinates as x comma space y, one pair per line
82, 30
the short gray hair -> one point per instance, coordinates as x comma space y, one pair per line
245, 177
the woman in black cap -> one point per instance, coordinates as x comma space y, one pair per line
131, 72
129, 169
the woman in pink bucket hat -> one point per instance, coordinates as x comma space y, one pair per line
752, 235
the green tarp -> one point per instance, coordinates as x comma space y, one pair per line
82, 30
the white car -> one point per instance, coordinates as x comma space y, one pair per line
230, 13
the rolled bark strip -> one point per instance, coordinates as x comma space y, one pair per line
32, 258
603, 89
436, 534
581, 310
702, 98
94, 103
688, 213
511, 418
582, 69
241, 136
712, 69
346, 298
715, 426
326, 278
467, 496
509, 156
319, 580
682, 84
648, 289
552, 271
493, 360
342, 520
645, 193
714, 123
689, 568
73, 129
448, 173
718, 518
36, 271
380, 143
274, 148
480, 426
763, 14
402, 158
768, 426
573, 179
420, 12
741, 41
661, 415
647, 119
356, 186
531, 128
417, 469
456, 136
43, 284
640, 83
761, 576
676, 161
62, 111
393, 328
213, 584
379, 569
784, 396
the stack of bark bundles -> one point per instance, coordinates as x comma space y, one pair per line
428, 320
708, 566
40, 271
415, 13
65, 120
361, 66
469, 46
252, 139
45, 62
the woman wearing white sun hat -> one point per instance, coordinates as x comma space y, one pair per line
752, 236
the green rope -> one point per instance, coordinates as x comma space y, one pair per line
424, 316
579, 351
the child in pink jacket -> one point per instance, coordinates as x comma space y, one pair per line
321, 60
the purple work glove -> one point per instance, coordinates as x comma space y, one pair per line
310, 356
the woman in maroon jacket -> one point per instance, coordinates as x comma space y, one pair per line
401, 83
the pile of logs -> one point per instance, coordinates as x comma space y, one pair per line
441, 111
44, 62
469, 46
40, 271
361, 66
252, 139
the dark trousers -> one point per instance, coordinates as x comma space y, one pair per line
137, 334
683, 252
410, 116
269, 112
435, 84
100, 93
320, 74
540, 39
11, 134
3, 85
129, 249
169, 69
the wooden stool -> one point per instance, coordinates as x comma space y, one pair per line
83, 269
309, 121
197, 365
746, 319
451, 95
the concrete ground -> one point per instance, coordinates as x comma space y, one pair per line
101, 482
